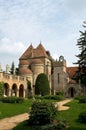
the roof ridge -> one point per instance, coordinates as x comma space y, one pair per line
28, 50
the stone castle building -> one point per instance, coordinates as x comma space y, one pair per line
37, 60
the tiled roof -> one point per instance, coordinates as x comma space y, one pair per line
27, 53
34, 52
25, 71
41, 51
37, 61
72, 82
71, 71
24, 62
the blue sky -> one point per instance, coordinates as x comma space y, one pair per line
56, 23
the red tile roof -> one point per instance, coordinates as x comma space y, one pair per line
71, 71
27, 53
24, 62
25, 71
36, 61
34, 52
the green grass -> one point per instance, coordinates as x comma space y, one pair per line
11, 109
70, 115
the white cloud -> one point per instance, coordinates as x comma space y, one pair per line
7, 46
54, 22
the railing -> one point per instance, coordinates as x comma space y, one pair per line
11, 77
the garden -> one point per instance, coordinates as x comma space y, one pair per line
72, 119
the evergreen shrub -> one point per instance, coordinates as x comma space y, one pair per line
82, 117
54, 97
12, 99
42, 113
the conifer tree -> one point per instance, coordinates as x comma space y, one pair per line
12, 68
82, 57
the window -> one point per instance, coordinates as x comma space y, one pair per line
58, 78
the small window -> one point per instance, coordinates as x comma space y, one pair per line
58, 78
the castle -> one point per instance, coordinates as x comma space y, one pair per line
33, 62
37, 60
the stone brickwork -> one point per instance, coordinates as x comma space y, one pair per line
14, 85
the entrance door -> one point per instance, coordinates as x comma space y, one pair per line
71, 92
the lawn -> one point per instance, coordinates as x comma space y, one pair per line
70, 115
10, 109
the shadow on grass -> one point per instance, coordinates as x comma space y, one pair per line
75, 128
24, 126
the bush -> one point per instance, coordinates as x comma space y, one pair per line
42, 85
12, 99
1, 89
42, 113
59, 93
59, 126
54, 97
82, 99
82, 117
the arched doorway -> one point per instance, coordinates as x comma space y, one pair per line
14, 90
21, 90
71, 92
6, 89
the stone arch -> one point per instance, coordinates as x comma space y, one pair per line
71, 92
14, 89
6, 89
21, 90
61, 58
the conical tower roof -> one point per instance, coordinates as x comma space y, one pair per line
27, 53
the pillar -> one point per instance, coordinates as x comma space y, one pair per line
10, 92
17, 93
24, 93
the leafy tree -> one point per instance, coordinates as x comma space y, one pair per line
81, 73
42, 85
1, 88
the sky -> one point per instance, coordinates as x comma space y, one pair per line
54, 23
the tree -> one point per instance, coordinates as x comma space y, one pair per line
12, 68
42, 85
82, 57
1, 88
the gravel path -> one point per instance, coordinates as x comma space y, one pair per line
9, 123
60, 104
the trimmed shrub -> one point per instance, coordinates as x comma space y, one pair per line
42, 85
59, 93
82, 117
54, 97
12, 100
42, 113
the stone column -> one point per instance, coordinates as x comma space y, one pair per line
24, 93
17, 93
10, 92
